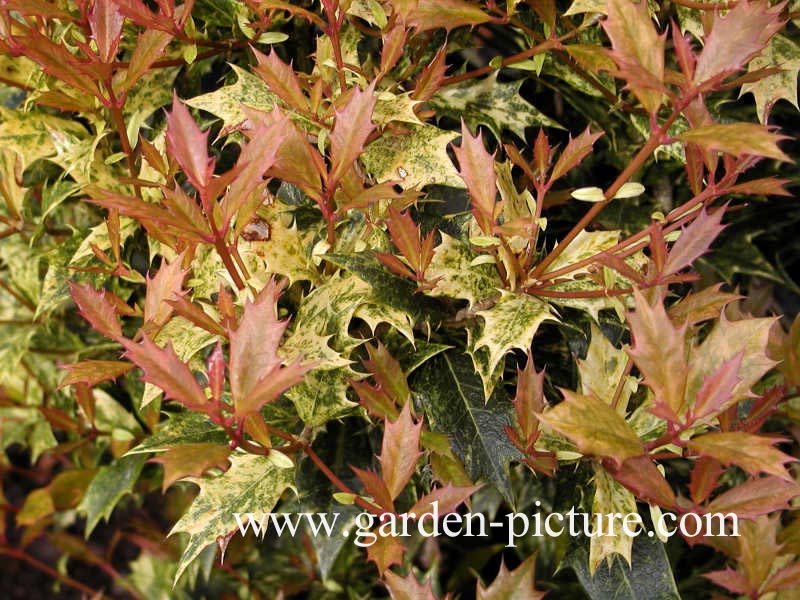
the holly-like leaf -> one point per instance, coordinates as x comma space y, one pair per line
184, 428
511, 323
736, 38
413, 159
753, 453
456, 276
453, 398
737, 139
407, 588
695, 240
640, 475
228, 102
783, 53
595, 427
386, 551
166, 283
512, 585
281, 79
497, 105
105, 23
257, 374
252, 484
447, 14
756, 497
350, 130
446, 498
108, 487
92, 372
163, 369
189, 145
97, 308
476, 168
149, 48
609, 498
529, 399
638, 50
727, 340
191, 459
400, 451
659, 351
700, 306
574, 152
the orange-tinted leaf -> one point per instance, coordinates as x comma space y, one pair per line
448, 499
281, 79
96, 308
137, 12
297, 161
660, 354
407, 588
57, 61
190, 460
784, 579
529, 399
476, 167
350, 130
257, 157
92, 372
375, 400
430, 80
512, 585
701, 306
256, 372
638, 50
254, 343
105, 22
163, 368
192, 312
400, 451
185, 213
737, 139
375, 486
215, 370
189, 145
149, 48
641, 476
705, 477
756, 497
387, 373
394, 43
595, 427
731, 580
694, 241
575, 151
166, 283
395, 265
404, 234
768, 186
446, 14
385, 552
717, 389
753, 453
737, 37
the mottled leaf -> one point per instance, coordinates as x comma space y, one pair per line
783, 53
191, 459
251, 484
753, 453
108, 487
737, 139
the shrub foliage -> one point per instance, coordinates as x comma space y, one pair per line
379, 256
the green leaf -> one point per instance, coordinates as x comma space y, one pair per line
414, 159
108, 487
649, 575
487, 102
783, 53
322, 395
35, 135
454, 401
252, 484
511, 323
152, 91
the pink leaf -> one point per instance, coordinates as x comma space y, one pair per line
96, 309
188, 145
448, 499
695, 240
400, 451
350, 131
105, 22
476, 167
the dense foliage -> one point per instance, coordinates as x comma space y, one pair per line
380, 255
